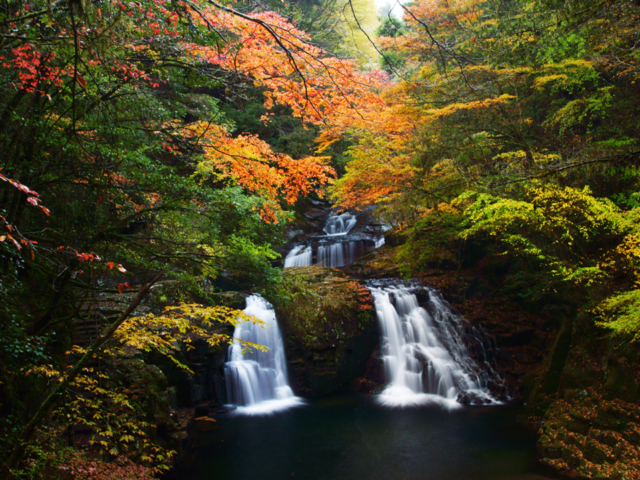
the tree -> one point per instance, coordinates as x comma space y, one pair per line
500, 93
112, 113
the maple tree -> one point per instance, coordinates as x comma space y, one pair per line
518, 167
180, 136
499, 94
114, 113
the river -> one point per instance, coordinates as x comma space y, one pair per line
274, 435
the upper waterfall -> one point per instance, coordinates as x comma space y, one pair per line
340, 224
257, 380
337, 248
425, 359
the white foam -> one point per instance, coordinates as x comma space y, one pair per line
268, 407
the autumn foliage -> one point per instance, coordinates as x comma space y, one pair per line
116, 114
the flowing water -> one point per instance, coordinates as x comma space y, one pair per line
299, 256
340, 254
353, 437
340, 224
337, 248
424, 355
257, 381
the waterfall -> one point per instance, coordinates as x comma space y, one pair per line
299, 256
335, 249
424, 358
340, 224
339, 254
257, 381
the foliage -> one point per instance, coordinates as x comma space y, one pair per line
177, 327
561, 232
432, 241
492, 94
511, 130
121, 400
114, 113
621, 313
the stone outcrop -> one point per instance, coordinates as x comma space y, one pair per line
378, 263
591, 437
329, 328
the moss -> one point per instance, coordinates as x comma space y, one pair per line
328, 325
592, 437
324, 308
378, 263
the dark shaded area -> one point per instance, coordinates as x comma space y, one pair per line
349, 437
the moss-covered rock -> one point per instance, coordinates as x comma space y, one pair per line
378, 263
591, 437
329, 328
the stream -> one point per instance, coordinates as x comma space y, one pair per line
435, 419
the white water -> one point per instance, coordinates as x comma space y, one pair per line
424, 357
340, 224
339, 254
333, 252
257, 381
299, 256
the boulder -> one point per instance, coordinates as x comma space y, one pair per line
329, 329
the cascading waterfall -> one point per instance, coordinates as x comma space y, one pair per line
339, 254
257, 381
299, 256
336, 248
340, 224
424, 357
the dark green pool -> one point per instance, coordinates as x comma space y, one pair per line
349, 437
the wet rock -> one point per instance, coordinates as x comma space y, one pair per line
315, 214
225, 409
205, 424
328, 326
373, 380
472, 398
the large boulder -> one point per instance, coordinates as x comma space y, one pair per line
329, 328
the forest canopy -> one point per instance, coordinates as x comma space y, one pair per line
183, 136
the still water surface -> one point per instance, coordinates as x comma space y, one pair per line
350, 438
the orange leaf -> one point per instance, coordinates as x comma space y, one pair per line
81, 80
